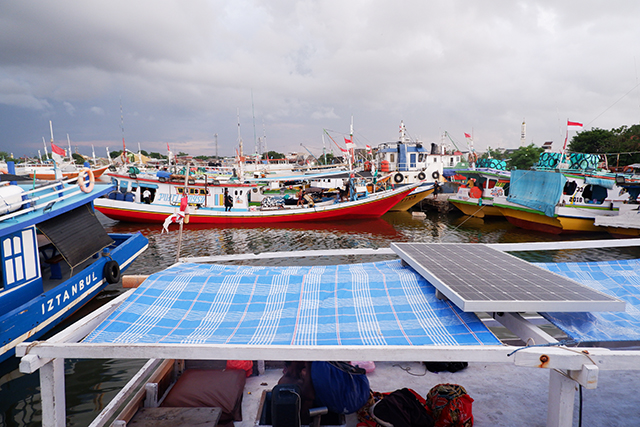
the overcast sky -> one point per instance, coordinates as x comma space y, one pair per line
181, 70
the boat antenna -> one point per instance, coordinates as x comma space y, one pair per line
69, 143
46, 154
124, 148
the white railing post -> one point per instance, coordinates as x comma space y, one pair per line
52, 392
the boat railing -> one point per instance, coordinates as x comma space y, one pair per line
43, 197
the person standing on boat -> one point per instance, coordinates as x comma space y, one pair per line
146, 196
228, 200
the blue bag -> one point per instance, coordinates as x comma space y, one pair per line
340, 386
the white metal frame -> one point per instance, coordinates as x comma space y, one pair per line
567, 365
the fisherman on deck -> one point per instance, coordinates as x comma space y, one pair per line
228, 201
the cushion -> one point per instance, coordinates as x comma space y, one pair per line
208, 388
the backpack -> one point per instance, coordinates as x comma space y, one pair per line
450, 406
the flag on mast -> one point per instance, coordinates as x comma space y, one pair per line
573, 124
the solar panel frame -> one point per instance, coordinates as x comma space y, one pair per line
478, 278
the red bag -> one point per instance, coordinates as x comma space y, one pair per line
244, 365
450, 406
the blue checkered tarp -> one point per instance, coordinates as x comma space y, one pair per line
620, 279
380, 303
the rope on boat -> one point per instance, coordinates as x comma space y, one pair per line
551, 344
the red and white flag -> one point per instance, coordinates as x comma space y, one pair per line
350, 144
571, 124
466, 135
57, 150
178, 217
368, 148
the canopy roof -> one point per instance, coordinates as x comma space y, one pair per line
375, 304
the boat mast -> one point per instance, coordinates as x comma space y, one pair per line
240, 154
124, 148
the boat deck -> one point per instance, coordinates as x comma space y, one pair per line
503, 395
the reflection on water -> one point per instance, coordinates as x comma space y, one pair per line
92, 383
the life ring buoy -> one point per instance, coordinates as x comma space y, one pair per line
475, 192
86, 188
398, 178
435, 175
162, 179
421, 176
111, 272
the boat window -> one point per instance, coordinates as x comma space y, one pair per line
123, 186
392, 157
491, 183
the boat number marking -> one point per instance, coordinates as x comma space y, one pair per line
175, 198
62, 297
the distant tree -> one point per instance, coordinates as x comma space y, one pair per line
622, 145
144, 153
202, 157
77, 158
4, 155
180, 154
155, 155
115, 154
498, 154
273, 155
524, 157
326, 159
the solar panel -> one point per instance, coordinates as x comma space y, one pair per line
478, 278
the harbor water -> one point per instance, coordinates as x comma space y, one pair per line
91, 384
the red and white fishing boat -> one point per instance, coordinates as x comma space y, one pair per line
165, 197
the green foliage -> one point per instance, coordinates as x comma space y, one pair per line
201, 157
4, 155
622, 145
273, 155
524, 157
144, 153
181, 154
155, 155
77, 159
115, 154
327, 159
498, 154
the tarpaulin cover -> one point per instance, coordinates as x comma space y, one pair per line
536, 190
620, 279
379, 303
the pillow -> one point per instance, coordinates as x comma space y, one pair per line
209, 388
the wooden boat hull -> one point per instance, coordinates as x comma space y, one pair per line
373, 206
530, 219
470, 207
50, 176
412, 199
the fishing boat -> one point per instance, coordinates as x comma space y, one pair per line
56, 256
68, 171
627, 222
206, 203
484, 184
560, 202
405, 309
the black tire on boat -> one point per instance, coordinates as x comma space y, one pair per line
435, 175
421, 176
111, 272
398, 178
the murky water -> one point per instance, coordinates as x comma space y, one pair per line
92, 383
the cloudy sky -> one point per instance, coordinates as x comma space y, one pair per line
182, 70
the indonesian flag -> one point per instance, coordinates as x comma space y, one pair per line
178, 217
368, 148
466, 135
350, 144
57, 150
574, 124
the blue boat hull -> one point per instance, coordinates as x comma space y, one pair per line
43, 312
